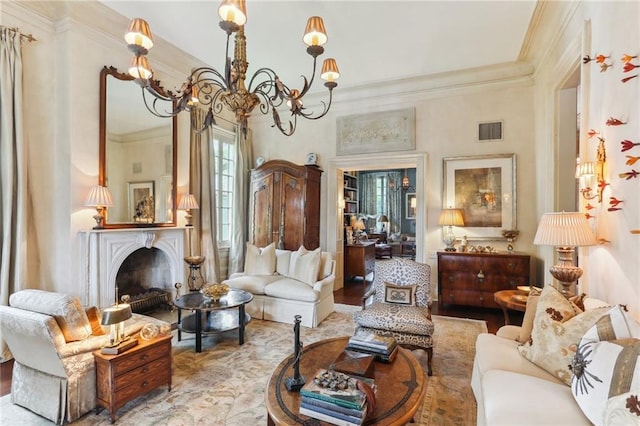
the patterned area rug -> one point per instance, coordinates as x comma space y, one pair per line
224, 385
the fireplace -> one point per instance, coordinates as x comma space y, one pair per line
138, 259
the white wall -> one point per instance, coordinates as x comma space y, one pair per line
61, 74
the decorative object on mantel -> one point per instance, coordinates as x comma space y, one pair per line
295, 383
510, 235
100, 198
216, 89
450, 218
188, 202
565, 231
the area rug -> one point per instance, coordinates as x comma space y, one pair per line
224, 385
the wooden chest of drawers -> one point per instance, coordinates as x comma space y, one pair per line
472, 278
123, 377
359, 259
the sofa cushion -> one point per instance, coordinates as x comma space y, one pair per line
283, 259
66, 309
304, 265
606, 382
326, 265
254, 284
260, 261
497, 353
557, 329
292, 289
400, 294
393, 317
518, 399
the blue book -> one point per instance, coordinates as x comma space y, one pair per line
333, 407
327, 418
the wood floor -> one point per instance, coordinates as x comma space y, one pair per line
351, 294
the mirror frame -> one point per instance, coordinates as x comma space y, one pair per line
155, 85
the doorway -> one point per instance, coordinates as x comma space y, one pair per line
335, 185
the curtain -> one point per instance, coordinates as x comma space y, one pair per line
244, 160
394, 203
13, 184
202, 171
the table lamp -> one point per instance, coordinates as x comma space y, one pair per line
188, 202
114, 317
358, 227
384, 220
565, 231
100, 198
450, 218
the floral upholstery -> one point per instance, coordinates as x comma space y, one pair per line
410, 325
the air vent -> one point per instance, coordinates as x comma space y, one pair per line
490, 131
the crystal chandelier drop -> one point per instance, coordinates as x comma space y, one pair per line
216, 90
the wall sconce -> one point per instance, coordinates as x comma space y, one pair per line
450, 218
100, 198
587, 170
188, 203
405, 184
565, 231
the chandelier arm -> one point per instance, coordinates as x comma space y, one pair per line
307, 84
325, 107
278, 123
152, 108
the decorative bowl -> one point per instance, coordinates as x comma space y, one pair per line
214, 291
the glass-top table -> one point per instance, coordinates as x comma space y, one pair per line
219, 316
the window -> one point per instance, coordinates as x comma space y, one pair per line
381, 194
224, 149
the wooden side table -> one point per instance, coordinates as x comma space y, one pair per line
505, 299
123, 377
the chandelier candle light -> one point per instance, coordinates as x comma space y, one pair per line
565, 231
216, 89
100, 198
449, 218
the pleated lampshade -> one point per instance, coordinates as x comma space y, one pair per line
562, 229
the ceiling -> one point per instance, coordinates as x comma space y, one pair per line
372, 41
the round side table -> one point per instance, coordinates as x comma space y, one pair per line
505, 299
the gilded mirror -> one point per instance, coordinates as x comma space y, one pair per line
138, 155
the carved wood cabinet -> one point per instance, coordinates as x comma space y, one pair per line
284, 205
472, 278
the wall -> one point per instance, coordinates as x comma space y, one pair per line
61, 74
570, 30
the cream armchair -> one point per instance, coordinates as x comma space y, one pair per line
400, 305
50, 337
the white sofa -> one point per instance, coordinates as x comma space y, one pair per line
280, 290
511, 390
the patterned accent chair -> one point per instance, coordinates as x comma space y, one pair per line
52, 340
409, 321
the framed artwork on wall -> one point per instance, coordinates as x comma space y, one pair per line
141, 202
410, 205
484, 187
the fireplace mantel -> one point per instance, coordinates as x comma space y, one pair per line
103, 250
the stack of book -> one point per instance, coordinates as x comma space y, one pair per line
335, 398
383, 348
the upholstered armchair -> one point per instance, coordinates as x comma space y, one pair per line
52, 341
398, 304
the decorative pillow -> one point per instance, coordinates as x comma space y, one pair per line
283, 259
66, 309
400, 294
606, 382
260, 261
304, 265
93, 314
326, 264
557, 327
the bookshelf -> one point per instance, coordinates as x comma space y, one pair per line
350, 195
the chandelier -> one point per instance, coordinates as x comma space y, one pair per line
216, 90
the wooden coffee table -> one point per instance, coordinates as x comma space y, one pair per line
401, 385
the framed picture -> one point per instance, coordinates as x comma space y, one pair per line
484, 187
141, 202
410, 205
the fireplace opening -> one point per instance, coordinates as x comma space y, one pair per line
144, 276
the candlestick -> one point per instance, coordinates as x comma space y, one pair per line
295, 383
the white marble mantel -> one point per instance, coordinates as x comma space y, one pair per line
103, 250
